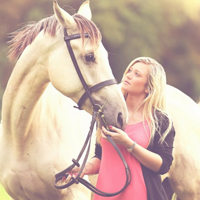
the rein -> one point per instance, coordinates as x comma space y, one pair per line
97, 112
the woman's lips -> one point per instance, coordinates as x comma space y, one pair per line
127, 82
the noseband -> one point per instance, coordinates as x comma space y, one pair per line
97, 112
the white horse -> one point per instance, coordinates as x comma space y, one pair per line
184, 175
40, 130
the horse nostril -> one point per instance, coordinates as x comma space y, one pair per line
120, 120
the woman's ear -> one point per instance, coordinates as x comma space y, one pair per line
147, 90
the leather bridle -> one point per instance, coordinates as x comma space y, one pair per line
88, 91
97, 112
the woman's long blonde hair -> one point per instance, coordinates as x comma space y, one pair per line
155, 100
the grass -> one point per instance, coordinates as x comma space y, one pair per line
3, 194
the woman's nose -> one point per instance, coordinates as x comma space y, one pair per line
129, 75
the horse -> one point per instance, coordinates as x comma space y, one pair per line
40, 130
184, 174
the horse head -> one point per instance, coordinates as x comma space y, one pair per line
92, 58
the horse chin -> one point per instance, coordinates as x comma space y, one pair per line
104, 122
109, 117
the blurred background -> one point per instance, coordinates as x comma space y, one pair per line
167, 30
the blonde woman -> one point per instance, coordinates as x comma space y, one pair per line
146, 143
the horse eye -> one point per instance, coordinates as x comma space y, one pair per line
90, 57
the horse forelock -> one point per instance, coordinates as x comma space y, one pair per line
87, 26
21, 38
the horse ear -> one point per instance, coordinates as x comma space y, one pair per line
62, 16
85, 10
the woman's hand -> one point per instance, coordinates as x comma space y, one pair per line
72, 173
118, 136
91, 168
149, 159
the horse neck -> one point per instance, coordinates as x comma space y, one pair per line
25, 87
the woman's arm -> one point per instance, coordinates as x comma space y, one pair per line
151, 160
147, 158
92, 167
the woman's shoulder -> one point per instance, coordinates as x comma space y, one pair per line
164, 120
162, 117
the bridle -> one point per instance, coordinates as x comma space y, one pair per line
97, 112
88, 91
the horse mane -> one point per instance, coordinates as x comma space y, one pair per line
23, 37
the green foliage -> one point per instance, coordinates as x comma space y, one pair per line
162, 29
3, 194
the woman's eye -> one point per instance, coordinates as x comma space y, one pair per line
90, 57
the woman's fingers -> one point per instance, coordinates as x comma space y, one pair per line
116, 134
67, 180
105, 133
112, 128
70, 174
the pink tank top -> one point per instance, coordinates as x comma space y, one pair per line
112, 176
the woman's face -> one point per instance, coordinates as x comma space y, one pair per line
135, 80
